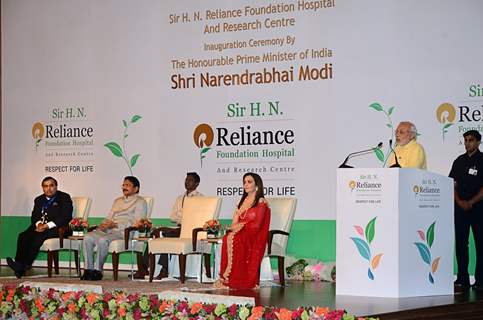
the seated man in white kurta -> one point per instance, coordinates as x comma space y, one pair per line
126, 210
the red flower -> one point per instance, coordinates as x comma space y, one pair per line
25, 290
60, 311
209, 308
78, 224
107, 297
137, 314
133, 298
24, 306
232, 310
212, 225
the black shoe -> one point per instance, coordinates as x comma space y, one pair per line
465, 284
162, 274
140, 274
477, 286
96, 275
87, 274
17, 267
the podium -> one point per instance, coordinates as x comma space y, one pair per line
395, 233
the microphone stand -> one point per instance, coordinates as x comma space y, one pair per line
396, 164
358, 153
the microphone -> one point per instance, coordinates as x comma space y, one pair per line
358, 153
395, 165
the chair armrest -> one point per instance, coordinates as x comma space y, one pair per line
156, 232
127, 233
271, 233
62, 233
194, 237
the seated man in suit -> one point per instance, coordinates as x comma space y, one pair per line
52, 210
191, 182
125, 211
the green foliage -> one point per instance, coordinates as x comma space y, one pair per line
370, 230
121, 152
114, 148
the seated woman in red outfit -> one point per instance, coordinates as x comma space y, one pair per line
244, 246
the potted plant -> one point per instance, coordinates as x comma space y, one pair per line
213, 228
78, 225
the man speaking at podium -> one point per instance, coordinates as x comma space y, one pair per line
407, 153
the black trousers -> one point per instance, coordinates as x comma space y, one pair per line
464, 220
29, 243
163, 259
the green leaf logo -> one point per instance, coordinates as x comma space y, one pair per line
135, 119
119, 150
424, 250
376, 106
134, 159
379, 153
371, 230
430, 234
115, 148
364, 246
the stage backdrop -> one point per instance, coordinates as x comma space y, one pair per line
94, 91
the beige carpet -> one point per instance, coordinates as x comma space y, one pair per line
127, 285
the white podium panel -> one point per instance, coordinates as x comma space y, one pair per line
395, 233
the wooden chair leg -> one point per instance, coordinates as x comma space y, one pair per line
115, 265
281, 271
50, 258
56, 262
140, 263
77, 266
151, 267
207, 258
182, 267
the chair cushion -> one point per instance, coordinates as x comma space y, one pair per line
118, 246
52, 245
171, 245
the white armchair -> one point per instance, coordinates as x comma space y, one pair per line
282, 215
117, 247
196, 211
81, 209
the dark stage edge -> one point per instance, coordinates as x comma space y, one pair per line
463, 305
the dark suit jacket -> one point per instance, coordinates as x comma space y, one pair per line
60, 211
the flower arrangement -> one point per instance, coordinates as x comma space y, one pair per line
304, 270
212, 227
77, 225
31, 303
144, 226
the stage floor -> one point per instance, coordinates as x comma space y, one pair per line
462, 305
